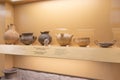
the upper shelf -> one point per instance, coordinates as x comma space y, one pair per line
81, 53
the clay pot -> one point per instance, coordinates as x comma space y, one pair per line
82, 42
64, 39
27, 38
10, 74
11, 36
105, 44
45, 38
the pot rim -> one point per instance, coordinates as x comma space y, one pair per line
27, 33
42, 32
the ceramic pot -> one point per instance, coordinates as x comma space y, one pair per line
105, 44
11, 36
27, 38
64, 39
45, 38
82, 42
10, 73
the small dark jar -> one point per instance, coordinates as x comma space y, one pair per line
27, 38
10, 74
45, 38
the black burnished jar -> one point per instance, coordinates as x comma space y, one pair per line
45, 38
27, 38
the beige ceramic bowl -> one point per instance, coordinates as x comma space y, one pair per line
83, 41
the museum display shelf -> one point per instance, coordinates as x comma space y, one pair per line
80, 53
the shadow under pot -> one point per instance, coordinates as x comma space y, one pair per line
45, 39
27, 38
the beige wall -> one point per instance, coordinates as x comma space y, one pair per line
2, 64
8, 62
9, 17
80, 17
2, 21
115, 20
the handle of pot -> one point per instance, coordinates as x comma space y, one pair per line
34, 37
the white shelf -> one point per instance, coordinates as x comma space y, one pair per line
81, 53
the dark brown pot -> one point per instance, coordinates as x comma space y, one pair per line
45, 38
27, 38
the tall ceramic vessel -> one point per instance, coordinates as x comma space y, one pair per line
11, 36
45, 38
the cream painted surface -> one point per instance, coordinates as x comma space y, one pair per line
116, 33
116, 70
92, 54
9, 18
115, 14
71, 14
2, 21
2, 64
102, 71
115, 20
8, 61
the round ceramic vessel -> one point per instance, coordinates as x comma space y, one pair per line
83, 41
45, 38
64, 39
11, 36
27, 38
